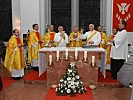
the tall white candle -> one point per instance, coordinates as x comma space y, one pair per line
50, 59
57, 55
76, 54
93, 60
85, 55
66, 53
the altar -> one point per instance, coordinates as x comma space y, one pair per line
86, 62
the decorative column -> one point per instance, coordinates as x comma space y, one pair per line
75, 12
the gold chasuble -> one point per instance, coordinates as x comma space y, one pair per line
49, 39
34, 45
103, 41
74, 40
108, 48
14, 55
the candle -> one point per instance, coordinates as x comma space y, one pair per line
76, 54
93, 60
50, 59
66, 53
57, 55
85, 55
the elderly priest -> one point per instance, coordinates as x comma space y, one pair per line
92, 37
61, 38
49, 37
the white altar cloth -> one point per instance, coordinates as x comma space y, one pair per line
42, 59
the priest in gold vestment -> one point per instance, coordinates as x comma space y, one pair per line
34, 44
108, 48
14, 59
103, 37
49, 37
74, 38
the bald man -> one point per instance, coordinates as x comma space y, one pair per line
74, 38
49, 37
103, 37
61, 38
92, 37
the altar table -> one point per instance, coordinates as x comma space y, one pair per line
56, 71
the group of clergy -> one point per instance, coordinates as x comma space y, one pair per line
114, 44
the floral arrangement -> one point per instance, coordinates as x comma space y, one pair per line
70, 84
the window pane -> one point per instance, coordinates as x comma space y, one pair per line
61, 14
5, 20
89, 12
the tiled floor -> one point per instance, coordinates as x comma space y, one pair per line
21, 91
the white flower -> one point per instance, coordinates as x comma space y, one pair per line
77, 83
61, 91
77, 76
68, 73
59, 88
73, 87
75, 91
72, 82
69, 86
68, 91
61, 80
65, 88
69, 70
73, 74
79, 91
68, 78
72, 64
69, 82
65, 82
73, 78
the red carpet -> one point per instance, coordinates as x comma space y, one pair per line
108, 78
34, 75
52, 96
7, 81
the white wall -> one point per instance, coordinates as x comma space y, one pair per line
16, 14
42, 17
130, 37
29, 12
109, 18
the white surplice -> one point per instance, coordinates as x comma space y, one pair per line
96, 38
63, 42
17, 73
120, 48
